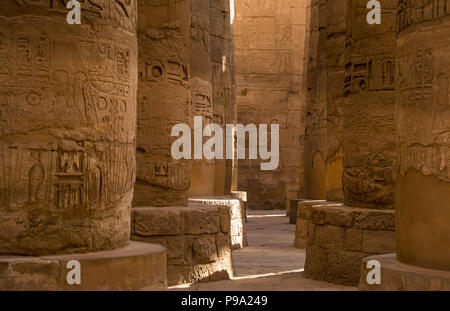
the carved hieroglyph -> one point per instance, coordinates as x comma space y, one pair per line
67, 126
423, 123
163, 101
369, 109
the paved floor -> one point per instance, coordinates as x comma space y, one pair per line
270, 262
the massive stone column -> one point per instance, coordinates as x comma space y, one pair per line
423, 176
67, 144
212, 89
67, 96
423, 123
359, 125
315, 112
163, 102
369, 128
324, 78
172, 36
224, 98
203, 171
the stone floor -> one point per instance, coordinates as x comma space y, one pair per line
270, 262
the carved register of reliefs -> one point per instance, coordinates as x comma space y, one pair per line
423, 124
163, 101
369, 109
67, 130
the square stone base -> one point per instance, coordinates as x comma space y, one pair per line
197, 238
339, 237
137, 266
237, 216
397, 276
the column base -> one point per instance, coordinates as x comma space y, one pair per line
397, 276
238, 215
339, 237
197, 238
137, 266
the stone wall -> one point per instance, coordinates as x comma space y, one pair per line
269, 44
197, 239
339, 237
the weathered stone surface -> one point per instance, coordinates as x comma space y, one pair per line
199, 221
353, 239
372, 220
328, 236
343, 267
204, 250
378, 242
338, 216
316, 263
156, 221
67, 128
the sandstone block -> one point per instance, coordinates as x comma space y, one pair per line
225, 219
337, 216
200, 221
329, 236
353, 239
375, 220
204, 250
379, 242
311, 232
156, 221
316, 262
344, 267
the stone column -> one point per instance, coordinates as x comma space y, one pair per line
163, 102
203, 171
67, 95
222, 61
369, 128
359, 115
423, 123
422, 197
315, 112
324, 77
67, 144
173, 35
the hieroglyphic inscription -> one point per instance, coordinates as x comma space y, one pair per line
163, 101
